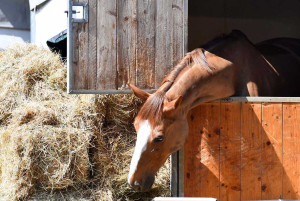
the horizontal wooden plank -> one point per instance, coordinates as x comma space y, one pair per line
182, 199
127, 91
230, 99
261, 99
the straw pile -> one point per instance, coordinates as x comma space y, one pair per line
59, 146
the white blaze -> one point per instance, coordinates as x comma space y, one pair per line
140, 146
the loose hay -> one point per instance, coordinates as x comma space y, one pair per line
58, 146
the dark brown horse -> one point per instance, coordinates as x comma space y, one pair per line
227, 66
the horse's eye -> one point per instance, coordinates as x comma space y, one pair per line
158, 139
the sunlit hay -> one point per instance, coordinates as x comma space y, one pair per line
21, 67
57, 79
35, 157
63, 157
119, 111
16, 163
35, 113
57, 146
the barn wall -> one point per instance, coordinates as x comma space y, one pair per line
14, 22
11, 36
48, 20
243, 151
126, 41
259, 20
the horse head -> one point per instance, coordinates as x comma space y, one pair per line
161, 124
161, 130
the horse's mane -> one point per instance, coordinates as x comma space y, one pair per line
196, 56
152, 109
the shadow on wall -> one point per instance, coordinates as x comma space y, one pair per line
243, 151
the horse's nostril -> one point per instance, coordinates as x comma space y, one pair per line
142, 185
148, 183
136, 186
136, 183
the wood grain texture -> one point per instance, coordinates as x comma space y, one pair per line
192, 156
75, 55
145, 47
75, 42
230, 152
271, 151
106, 45
202, 152
127, 33
92, 46
163, 40
81, 69
174, 177
178, 32
291, 151
210, 150
259, 151
127, 41
251, 151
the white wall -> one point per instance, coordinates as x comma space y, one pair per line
50, 19
14, 22
10, 36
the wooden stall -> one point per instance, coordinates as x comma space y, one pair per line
243, 149
136, 41
237, 149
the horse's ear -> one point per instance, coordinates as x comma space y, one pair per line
171, 106
143, 95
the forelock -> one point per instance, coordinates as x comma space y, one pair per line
152, 108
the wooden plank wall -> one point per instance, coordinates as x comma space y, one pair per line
243, 151
135, 41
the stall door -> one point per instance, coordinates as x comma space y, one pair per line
113, 42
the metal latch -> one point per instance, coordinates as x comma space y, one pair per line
80, 12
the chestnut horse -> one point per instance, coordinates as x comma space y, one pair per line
227, 66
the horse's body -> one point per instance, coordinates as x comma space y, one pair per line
224, 67
284, 55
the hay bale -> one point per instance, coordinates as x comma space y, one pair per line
58, 146
48, 158
22, 68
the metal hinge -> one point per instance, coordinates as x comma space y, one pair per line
84, 12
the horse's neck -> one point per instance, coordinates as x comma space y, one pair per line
196, 84
254, 75
239, 70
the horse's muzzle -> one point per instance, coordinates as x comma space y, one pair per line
142, 185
